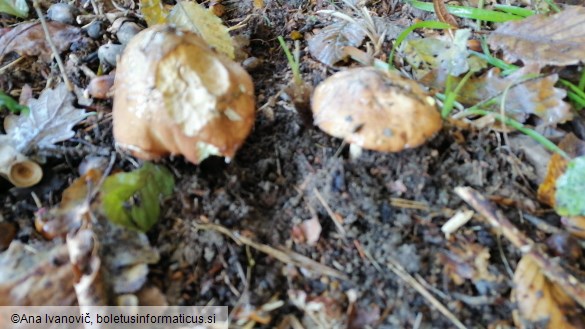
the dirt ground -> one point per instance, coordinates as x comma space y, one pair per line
390, 207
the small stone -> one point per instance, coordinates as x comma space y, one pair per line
62, 12
251, 63
109, 53
94, 30
127, 31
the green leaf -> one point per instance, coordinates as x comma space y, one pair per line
132, 199
17, 8
570, 194
11, 104
194, 17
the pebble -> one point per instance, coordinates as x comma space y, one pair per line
109, 53
251, 63
62, 12
127, 31
95, 30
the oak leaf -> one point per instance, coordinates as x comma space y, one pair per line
558, 39
28, 39
327, 45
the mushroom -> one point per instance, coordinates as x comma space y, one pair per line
17, 168
173, 94
375, 109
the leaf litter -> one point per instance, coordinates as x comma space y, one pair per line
130, 265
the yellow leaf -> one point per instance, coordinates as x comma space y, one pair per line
153, 12
541, 300
194, 17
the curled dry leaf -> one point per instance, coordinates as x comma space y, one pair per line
40, 275
537, 96
375, 109
167, 101
558, 39
327, 44
541, 301
28, 39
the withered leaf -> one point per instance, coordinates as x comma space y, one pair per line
536, 96
40, 277
194, 17
50, 120
558, 39
28, 39
327, 45
574, 147
541, 300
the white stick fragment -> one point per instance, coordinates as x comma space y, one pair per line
454, 223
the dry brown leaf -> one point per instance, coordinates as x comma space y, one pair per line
558, 39
28, 39
574, 147
327, 45
38, 275
537, 96
541, 301
468, 261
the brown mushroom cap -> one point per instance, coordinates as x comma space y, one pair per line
375, 109
173, 94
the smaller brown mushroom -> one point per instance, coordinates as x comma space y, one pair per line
375, 109
173, 94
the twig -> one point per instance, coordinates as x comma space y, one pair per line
401, 272
285, 256
404, 275
330, 212
52, 45
551, 269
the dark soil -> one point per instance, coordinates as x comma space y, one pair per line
272, 185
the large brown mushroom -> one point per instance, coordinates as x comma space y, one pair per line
375, 109
173, 94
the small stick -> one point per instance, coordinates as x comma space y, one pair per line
330, 212
551, 269
52, 45
283, 255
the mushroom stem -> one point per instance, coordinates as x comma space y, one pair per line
17, 168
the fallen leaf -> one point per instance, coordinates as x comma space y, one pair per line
558, 39
17, 8
541, 301
574, 147
537, 96
28, 39
468, 261
36, 275
327, 45
570, 189
194, 17
50, 120
441, 56
132, 199
153, 12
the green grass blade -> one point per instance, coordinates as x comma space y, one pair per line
514, 10
523, 129
468, 12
